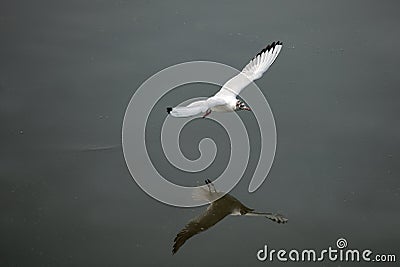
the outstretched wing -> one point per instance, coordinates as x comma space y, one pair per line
253, 71
278, 218
196, 107
212, 215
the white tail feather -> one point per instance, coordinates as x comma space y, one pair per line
203, 193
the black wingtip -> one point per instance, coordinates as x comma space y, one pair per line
269, 47
169, 109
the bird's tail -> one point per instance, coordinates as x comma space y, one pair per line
203, 193
278, 218
207, 192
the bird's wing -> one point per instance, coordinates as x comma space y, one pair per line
253, 71
196, 107
207, 219
278, 218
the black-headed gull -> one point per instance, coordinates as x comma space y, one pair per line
218, 209
225, 100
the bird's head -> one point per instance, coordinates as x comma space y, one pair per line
241, 106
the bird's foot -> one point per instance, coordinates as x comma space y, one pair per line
208, 112
210, 185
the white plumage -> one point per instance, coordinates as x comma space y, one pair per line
225, 99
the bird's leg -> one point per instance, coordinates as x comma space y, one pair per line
209, 187
208, 112
213, 186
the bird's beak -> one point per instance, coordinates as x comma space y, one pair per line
247, 108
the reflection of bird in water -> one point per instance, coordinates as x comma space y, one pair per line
218, 209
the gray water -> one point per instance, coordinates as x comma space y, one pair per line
69, 68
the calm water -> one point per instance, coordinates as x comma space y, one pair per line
69, 68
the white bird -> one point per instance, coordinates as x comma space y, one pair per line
219, 208
225, 100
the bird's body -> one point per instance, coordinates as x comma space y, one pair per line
228, 107
225, 100
219, 208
